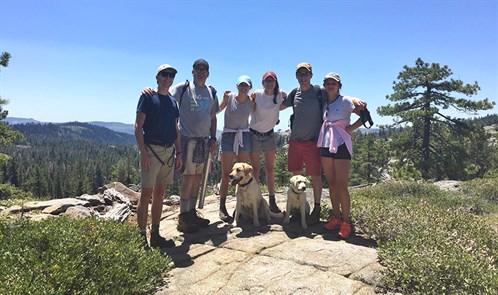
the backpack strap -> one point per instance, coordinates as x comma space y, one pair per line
184, 88
318, 91
291, 96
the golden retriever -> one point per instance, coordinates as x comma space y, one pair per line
249, 199
296, 199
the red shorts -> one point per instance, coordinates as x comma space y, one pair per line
304, 153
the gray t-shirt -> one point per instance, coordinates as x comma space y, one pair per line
197, 105
307, 114
237, 114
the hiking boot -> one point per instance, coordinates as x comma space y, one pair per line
273, 206
156, 241
224, 215
186, 223
314, 216
144, 242
345, 230
199, 220
333, 223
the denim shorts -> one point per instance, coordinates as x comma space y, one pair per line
263, 143
342, 153
227, 139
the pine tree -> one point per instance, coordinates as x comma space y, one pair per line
421, 94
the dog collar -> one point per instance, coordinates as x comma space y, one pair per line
247, 183
297, 193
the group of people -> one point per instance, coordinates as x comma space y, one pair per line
175, 129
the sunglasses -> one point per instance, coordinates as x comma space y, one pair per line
302, 75
200, 69
269, 80
167, 74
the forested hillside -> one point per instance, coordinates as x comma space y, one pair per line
70, 159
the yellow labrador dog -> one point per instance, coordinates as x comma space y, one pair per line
250, 201
296, 199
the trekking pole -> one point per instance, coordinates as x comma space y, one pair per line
205, 173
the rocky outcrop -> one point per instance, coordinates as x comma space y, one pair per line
115, 201
271, 259
225, 259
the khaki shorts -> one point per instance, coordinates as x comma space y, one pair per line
159, 173
192, 168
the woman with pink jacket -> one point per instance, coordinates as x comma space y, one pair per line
336, 150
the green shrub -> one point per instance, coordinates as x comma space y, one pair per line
63, 256
8, 191
429, 240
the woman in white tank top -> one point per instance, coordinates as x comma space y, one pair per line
262, 121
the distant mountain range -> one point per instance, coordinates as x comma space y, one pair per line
122, 127
114, 126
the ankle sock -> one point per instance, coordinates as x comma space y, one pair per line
184, 205
192, 203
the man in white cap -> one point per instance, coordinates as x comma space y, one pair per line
158, 140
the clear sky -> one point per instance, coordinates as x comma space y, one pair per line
87, 60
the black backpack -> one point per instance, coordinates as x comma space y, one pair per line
292, 94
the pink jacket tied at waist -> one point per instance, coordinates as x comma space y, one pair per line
340, 128
238, 141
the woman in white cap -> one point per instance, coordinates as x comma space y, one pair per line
336, 150
264, 118
235, 139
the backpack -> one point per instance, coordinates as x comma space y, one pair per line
292, 94
185, 87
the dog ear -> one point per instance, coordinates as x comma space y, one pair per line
247, 169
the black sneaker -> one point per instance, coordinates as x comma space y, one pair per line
314, 216
224, 215
273, 205
199, 220
156, 241
186, 223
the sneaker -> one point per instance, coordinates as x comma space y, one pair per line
314, 217
333, 223
186, 223
345, 230
273, 206
199, 220
224, 215
156, 241
144, 242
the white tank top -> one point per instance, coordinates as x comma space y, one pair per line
265, 117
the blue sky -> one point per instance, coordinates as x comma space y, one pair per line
88, 60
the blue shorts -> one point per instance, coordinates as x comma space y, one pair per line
263, 143
227, 139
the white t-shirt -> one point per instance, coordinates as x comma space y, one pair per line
265, 116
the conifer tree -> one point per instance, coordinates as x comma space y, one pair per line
422, 94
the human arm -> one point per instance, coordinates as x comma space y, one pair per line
284, 105
224, 101
145, 161
359, 104
350, 128
148, 91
